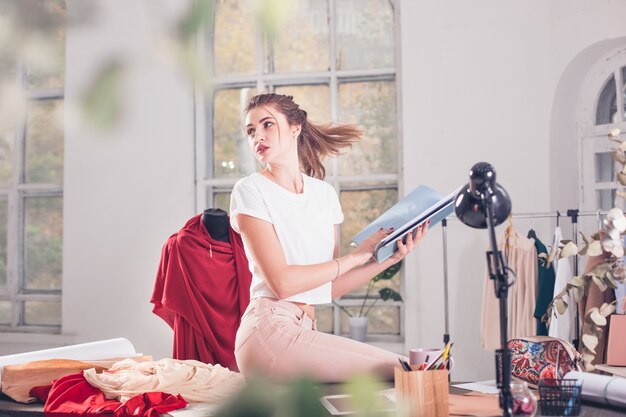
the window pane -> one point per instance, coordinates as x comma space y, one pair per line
314, 99
6, 158
234, 46
372, 106
605, 167
222, 201
607, 107
232, 156
302, 41
324, 319
605, 199
43, 243
381, 320
360, 208
365, 22
48, 70
5, 312
42, 313
44, 142
4, 218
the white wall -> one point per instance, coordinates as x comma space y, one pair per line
127, 190
482, 81
479, 83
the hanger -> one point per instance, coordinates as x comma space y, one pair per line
509, 231
558, 216
531, 233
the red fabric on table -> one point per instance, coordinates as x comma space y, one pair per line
202, 288
72, 396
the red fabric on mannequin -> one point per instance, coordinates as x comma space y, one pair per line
72, 395
201, 290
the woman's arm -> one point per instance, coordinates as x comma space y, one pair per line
287, 280
361, 275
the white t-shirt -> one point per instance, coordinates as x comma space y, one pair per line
304, 224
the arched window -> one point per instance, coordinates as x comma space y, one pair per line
609, 112
338, 59
31, 167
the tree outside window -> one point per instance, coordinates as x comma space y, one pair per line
316, 54
32, 53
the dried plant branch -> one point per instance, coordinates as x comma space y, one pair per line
607, 243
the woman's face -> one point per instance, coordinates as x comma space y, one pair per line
269, 134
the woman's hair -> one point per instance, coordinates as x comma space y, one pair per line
316, 142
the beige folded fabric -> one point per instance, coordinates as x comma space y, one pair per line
195, 381
17, 380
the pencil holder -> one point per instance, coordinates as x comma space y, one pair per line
422, 393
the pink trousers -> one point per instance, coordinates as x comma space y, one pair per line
278, 340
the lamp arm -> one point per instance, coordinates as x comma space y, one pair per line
498, 273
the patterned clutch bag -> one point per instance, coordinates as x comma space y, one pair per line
538, 357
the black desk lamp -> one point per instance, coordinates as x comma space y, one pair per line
484, 204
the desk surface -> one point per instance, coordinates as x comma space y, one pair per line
588, 409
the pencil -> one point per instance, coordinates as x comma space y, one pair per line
432, 365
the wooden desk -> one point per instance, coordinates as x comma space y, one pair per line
10, 409
13, 409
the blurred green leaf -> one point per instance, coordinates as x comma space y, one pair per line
272, 13
257, 399
301, 399
102, 100
200, 14
363, 390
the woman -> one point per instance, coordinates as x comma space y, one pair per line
288, 220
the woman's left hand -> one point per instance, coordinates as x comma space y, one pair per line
413, 239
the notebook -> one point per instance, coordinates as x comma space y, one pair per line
421, 204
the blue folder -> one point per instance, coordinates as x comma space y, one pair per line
421, 204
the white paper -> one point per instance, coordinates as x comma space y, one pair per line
603, 389
103, 349
615, 370
194, 410
486, 387
340, 405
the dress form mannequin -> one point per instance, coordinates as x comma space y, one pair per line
216, 223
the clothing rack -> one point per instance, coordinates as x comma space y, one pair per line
573, 214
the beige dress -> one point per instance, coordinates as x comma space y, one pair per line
520, 255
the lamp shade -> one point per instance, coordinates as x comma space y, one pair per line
482, 190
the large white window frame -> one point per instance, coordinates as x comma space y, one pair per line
594, 141
16, 194
261, 81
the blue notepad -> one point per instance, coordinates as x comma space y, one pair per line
421, 204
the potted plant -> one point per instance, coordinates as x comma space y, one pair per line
358, 320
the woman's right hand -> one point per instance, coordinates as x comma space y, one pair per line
366, 249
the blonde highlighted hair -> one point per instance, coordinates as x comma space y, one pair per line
315, 142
